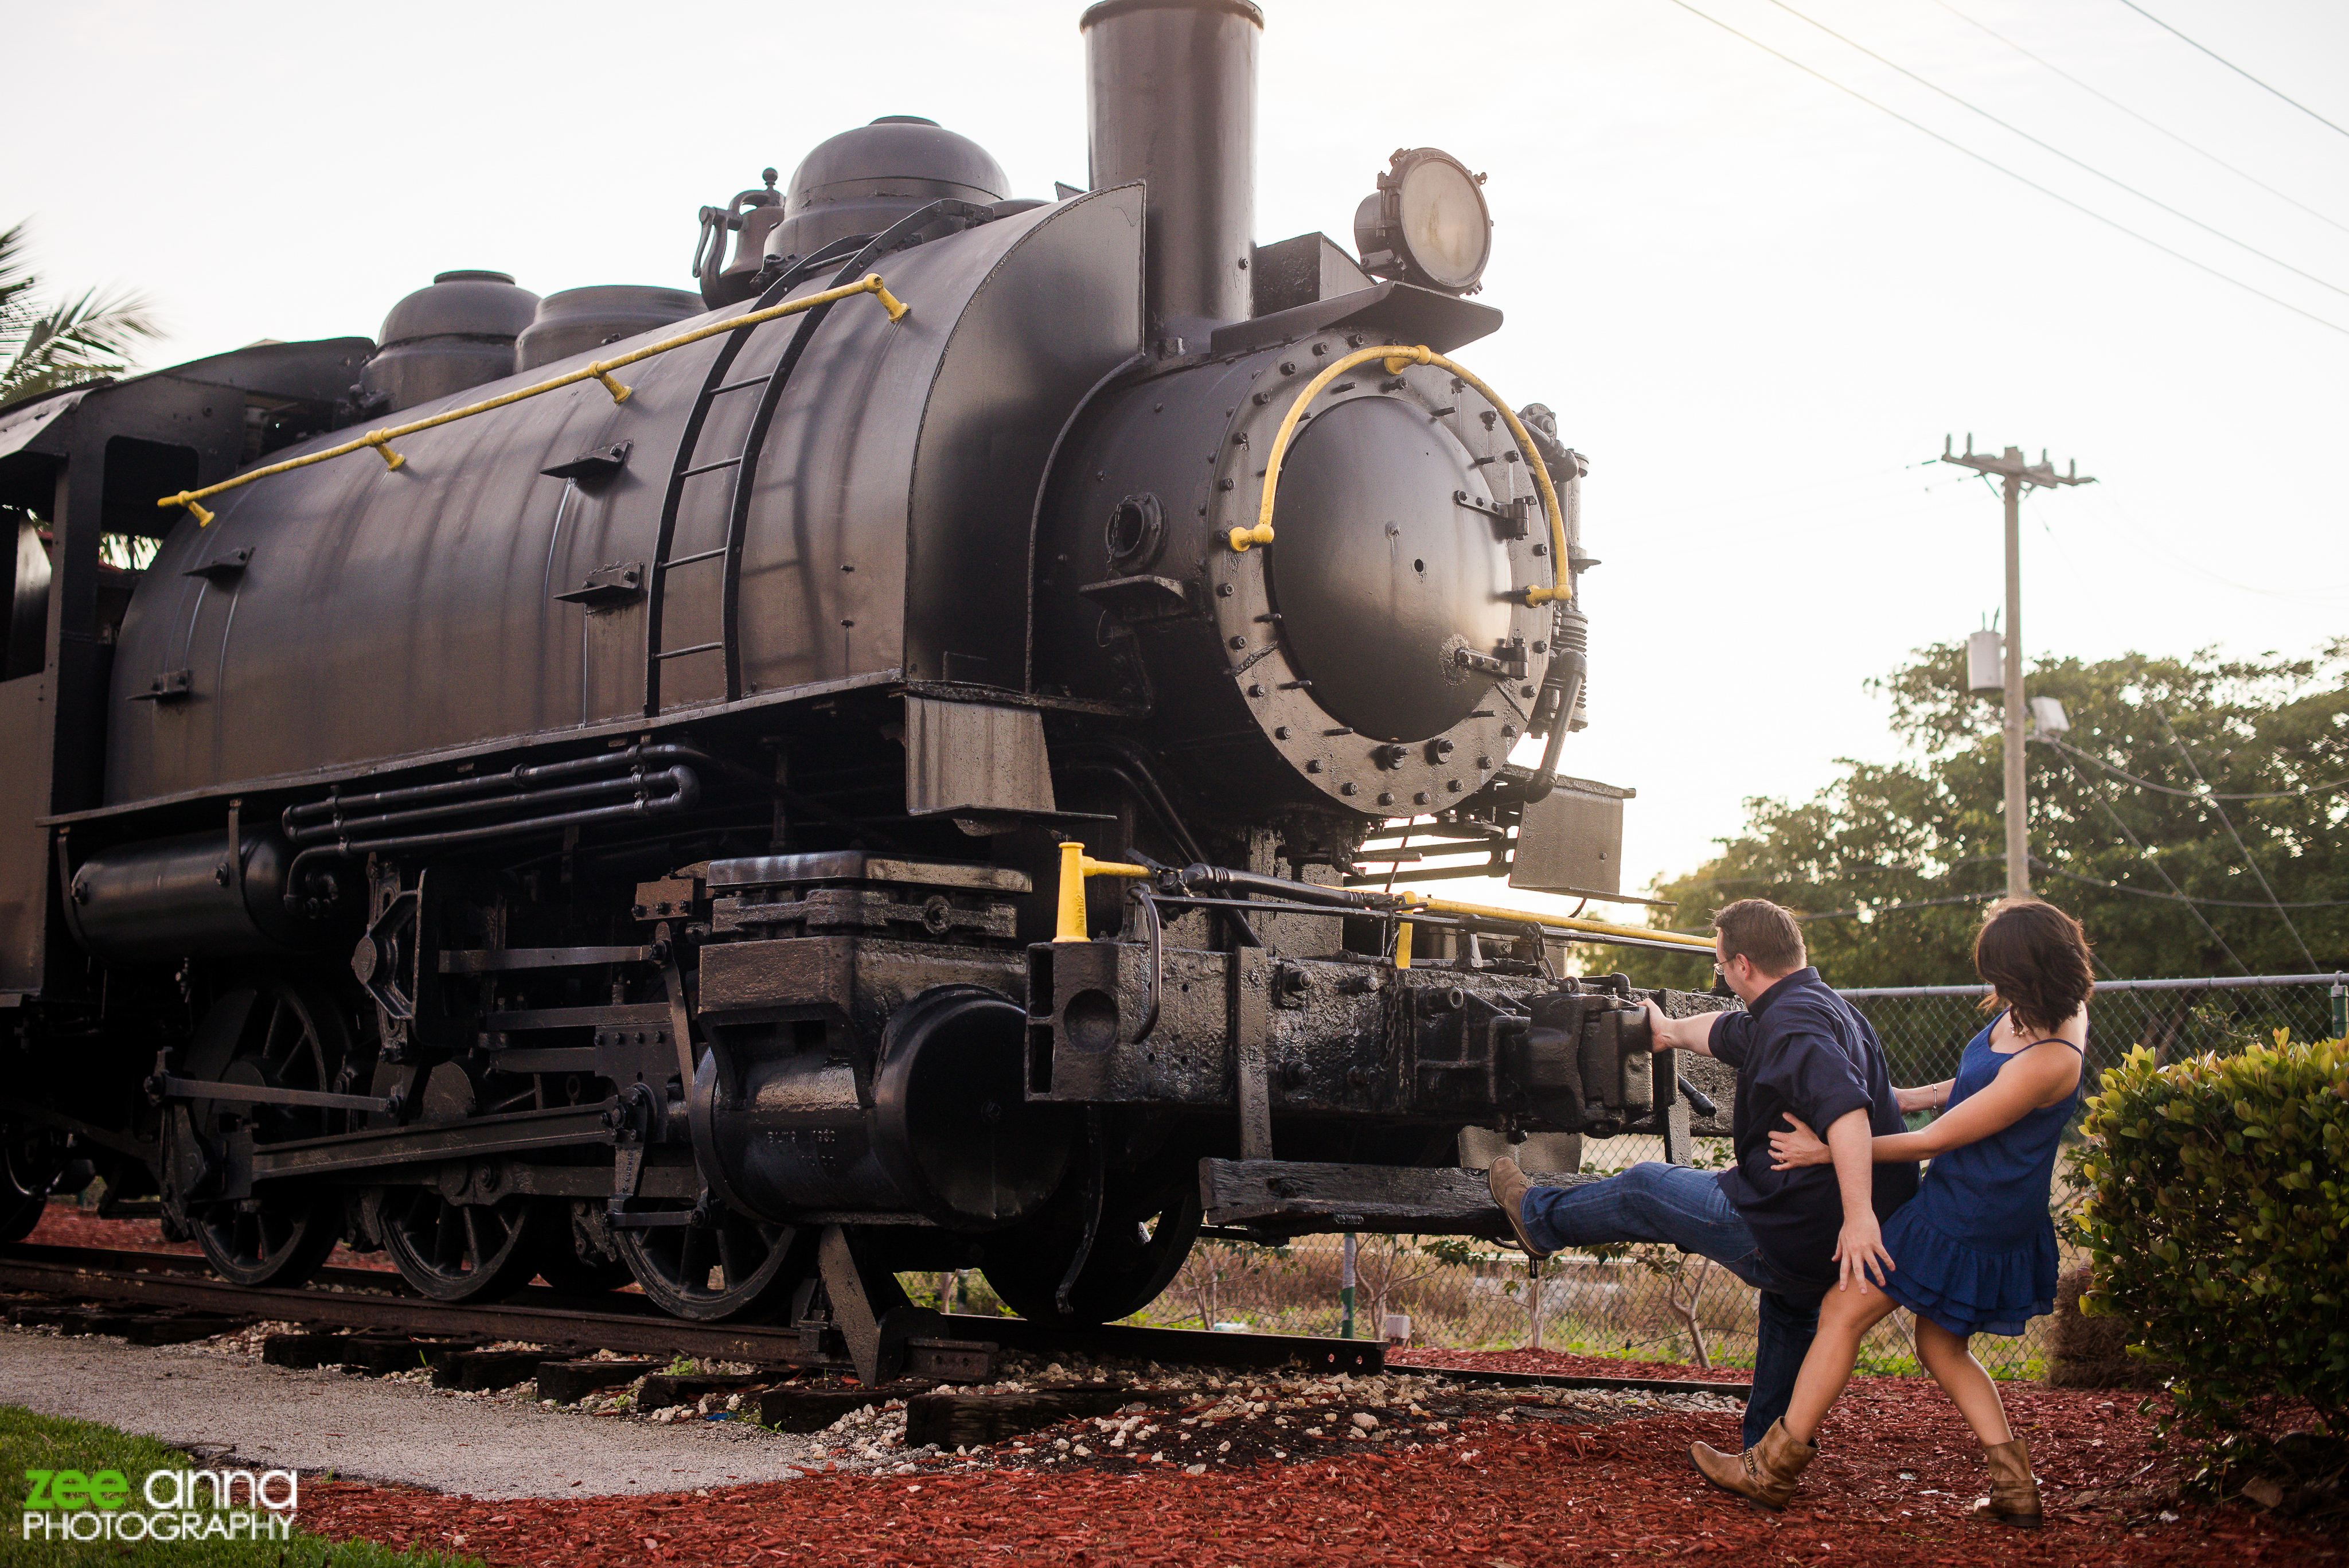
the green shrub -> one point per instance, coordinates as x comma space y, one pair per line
2219, 1223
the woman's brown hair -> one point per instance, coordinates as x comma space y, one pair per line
2035, 960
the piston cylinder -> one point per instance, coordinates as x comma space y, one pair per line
939, 1128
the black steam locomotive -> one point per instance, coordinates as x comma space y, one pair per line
624, 828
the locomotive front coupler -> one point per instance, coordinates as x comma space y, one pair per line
1278, 1040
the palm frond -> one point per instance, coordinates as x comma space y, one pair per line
80, 341
17, 283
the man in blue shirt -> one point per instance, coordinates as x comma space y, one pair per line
1794, 1235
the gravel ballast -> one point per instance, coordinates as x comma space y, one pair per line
381, 1430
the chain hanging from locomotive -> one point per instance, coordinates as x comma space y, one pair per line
616, 834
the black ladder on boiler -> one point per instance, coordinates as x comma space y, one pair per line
743, 465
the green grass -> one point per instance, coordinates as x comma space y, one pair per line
30, 1442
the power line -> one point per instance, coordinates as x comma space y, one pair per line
2189, 793
2321, 596
2182, 899
2140, 118
2257, 875
2050, 147
1915, 904
1772, 494
2232, 66
1993, 894
2158, 869
2002, 169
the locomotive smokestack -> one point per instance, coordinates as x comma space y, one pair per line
1170, 95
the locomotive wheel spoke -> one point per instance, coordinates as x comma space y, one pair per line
457, 1251
560, 1263
1133, 1257
273, 1051
730, 1268
272, 1032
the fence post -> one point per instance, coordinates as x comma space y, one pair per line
1539, 1268
1346, 1288
2340, 1010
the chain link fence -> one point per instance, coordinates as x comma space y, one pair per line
1654, 1304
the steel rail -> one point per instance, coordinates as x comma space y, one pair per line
380, 1299
367, 1299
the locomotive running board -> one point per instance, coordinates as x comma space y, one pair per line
1292, 1198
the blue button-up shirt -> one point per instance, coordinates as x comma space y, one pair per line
1802, 1048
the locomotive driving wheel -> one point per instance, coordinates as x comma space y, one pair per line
1138, 1250
456, 1252
562, 1261
30, 1159
721, 1265
277, 1035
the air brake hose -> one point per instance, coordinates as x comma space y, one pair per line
1567, 669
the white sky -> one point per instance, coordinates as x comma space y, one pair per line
1755, 303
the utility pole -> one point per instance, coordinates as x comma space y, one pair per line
2018, 477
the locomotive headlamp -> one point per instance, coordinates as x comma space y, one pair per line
1426, 224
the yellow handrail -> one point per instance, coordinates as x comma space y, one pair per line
601, 370
1397, 358
1562, 922
1069, 924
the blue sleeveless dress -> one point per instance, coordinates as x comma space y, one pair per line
1976, 1248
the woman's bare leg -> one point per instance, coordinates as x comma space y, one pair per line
1845, 1316
1951, 1360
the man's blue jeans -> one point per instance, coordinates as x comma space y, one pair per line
1683, 1208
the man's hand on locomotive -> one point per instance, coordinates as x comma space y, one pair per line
1667, 1033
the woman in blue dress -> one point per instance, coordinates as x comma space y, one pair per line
1974, 1252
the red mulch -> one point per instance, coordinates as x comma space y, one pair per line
1520, 1494
1516, 1495
1559, 1364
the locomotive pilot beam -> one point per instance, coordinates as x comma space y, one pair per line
537, 822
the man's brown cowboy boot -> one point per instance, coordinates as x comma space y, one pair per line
2014, 1495
1764, 1475
1508, 1186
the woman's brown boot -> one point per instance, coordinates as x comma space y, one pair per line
1764, 1475
2013, 1496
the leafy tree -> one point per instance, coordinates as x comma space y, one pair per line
43, 348
1893, 863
